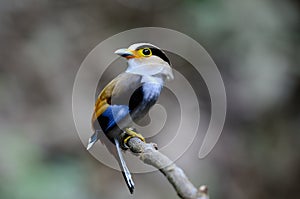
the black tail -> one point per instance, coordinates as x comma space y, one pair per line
125, 171
93, 139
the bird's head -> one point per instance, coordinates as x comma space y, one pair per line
146, 59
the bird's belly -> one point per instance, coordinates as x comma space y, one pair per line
117, 117
143, 99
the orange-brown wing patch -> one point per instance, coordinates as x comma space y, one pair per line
120, 87
103, 100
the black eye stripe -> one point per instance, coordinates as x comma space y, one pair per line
157, 52
160, 54
144, 46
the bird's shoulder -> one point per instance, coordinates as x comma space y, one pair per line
118, 88
121, 84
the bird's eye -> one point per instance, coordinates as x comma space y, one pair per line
146, 52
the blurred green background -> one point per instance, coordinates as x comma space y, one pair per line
255, 45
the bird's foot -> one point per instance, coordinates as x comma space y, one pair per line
131, 134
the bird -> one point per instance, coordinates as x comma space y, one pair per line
128, 98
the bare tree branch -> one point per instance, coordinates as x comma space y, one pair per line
149, 154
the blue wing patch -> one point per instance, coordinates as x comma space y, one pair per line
111, 116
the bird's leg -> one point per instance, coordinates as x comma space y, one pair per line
131, 133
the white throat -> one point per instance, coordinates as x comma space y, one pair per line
150, 68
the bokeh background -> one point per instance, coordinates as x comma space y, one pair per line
255, 45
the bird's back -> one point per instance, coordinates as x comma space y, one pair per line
128, 96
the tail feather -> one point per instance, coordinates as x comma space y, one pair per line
93, 139
125, 171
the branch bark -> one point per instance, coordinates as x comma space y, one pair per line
148, 153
